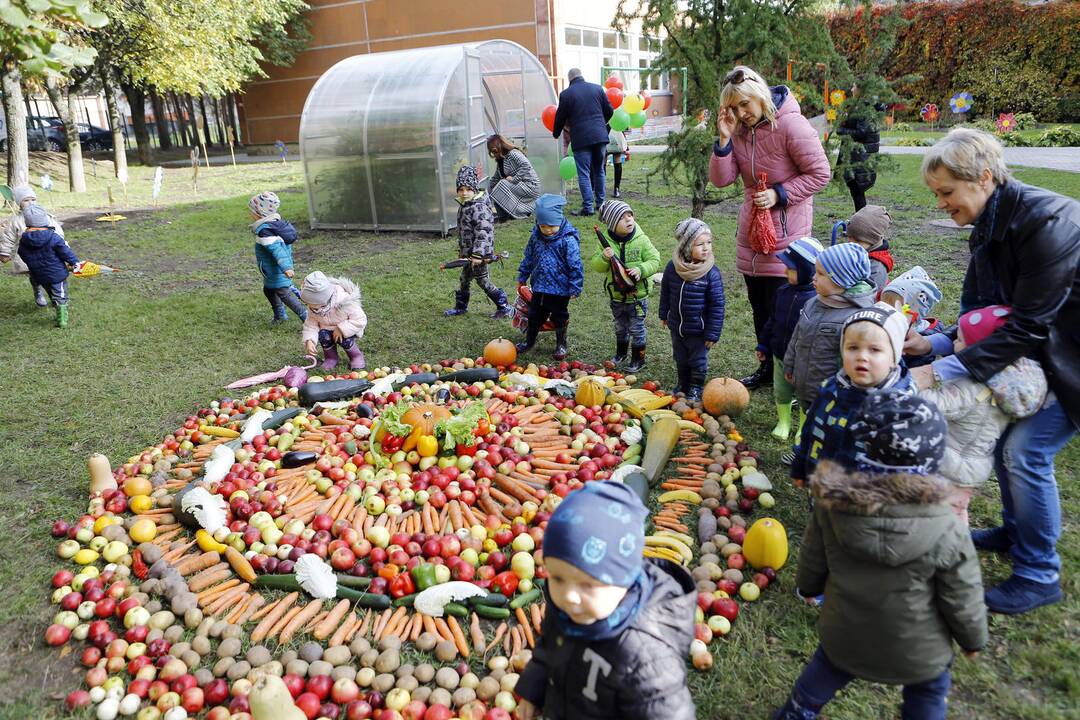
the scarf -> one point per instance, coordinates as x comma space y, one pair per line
263, 220
981, 286
614, 624
691, 271
841, 300
891, 380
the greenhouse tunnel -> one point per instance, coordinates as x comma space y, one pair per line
382, 135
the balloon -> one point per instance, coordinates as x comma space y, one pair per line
569, 149
548, 118
647, 97
614, 96
567, 168
620, 120
613, 81
638, 119
633, 103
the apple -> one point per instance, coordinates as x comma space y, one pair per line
216, 691
342, 559
294, 683
726, 608
308, 703
719, 625
438, 712
344, 691
360, 710
749, 592
319, 685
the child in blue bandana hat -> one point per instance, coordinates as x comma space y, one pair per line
617, 633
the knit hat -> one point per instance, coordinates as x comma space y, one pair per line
23, 193
800, 256
467, 178
549, 209
847, 264
899, 432
977, 325
870, 225
888, 319
264, 204
918, 291
317, 289
612, 211
688, 229
599, 529
35, 216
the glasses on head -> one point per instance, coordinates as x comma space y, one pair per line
737, 77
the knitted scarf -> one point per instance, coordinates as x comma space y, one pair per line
618, 621
691, 271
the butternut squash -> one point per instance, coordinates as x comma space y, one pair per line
659, 444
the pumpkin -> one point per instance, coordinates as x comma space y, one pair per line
590, 393
724, 396
423, 417
500, 352
766, 544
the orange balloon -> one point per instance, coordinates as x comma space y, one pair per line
548, 117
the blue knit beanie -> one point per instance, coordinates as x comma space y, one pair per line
847, 264
35, 216
549, 209
599, 529
800, 256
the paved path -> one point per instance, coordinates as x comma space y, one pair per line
1057, 158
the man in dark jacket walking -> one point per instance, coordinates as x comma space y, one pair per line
584, 107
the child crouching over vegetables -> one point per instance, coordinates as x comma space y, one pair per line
618, 629
334, 318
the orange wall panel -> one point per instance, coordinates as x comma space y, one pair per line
395, 18
336, 25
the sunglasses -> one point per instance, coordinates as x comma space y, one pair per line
737, 77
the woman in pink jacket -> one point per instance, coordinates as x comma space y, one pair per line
761, 130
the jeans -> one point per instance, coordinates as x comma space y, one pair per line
58, 292
629, 320
1030, 509
691, 359
285, 296
821, 680
761, 292
544, 307
480, 275
590, 175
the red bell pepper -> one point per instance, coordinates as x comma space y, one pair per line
392, 443
402, 585
463, 449
505, 582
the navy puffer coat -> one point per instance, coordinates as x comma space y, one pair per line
693, 308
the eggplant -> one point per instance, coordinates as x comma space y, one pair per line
470, 376
364, 410
442, 396
296, 458
331, 390
417, 379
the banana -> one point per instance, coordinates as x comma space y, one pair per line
632, 408
671, 544
690, 425
681, 537
645, 399
676, 495
659, 413
663, 554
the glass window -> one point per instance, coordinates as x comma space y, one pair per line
590, 38
573, 36
609, 61
624, 41
643, 43
609, 40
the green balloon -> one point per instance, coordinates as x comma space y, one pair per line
567, 168
620, 120
638, 119
569, 149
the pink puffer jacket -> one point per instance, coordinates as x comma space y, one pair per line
796, 167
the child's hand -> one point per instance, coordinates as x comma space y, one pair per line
709, 344
798, 482
476, 262
634, 273
526, 710
663, 324
310, 347
338, 337
289, 273
760, 356
922, 376
789, 377
608, 253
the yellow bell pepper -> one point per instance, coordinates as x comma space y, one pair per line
427, 446
207, 543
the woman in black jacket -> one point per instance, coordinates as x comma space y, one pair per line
860, 126
1025, 252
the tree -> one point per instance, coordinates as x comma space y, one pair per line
60, 95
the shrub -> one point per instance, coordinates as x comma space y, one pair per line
914, 142
901, 127
1013, 139
1025, 121
1060, 136
1067, 109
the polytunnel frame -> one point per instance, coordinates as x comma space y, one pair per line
470, 51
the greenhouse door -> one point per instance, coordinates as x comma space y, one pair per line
474, 94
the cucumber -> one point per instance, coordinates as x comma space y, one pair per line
280, 417
330, 390
364, 599
526, 598
279, 582
417, 379
352, 581
471, 376
405, 600
296, 458
456, 609
491, 600
491, 613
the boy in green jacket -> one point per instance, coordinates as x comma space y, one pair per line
896, 563
642, 260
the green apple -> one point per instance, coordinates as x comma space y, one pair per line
427, 462
113, 551
445, 462
442, 574
421, 496
523, 565
464, 463
375, 505
271, 535
469, 555
749, 591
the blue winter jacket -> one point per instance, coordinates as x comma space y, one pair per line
825, 435
273, 252
46, 255
553, 264
584, 106
785, 316
693, 308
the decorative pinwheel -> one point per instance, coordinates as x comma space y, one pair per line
929, 113
961, 102
1006, 122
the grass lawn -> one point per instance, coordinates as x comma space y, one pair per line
187, 316
922, 131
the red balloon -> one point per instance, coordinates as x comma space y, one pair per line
613, 81
548, 118
647, 97
614, 96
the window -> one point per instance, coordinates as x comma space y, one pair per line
643, 44
573, 36
590, 38
609, 61
609, 41
624, 41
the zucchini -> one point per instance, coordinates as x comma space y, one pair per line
279, 582
471, 376
456, 609
526, 598
405, 600
330, 390
491, 613
296, 458
417, 379
280, 417
639, 484
364, 599
491, 600
658, 446
352, 581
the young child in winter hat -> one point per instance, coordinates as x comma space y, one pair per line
552, 265
642, 260
273, 252
800, 259
692, 304
476, 242
868, 227
47, 259
915, 293
978, 413
334, 318
618, 629
899, 568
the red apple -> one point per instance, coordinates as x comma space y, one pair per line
359, 710
192, 700
342, 559
736, 561
726, 607
319, 685
217, 691
309, 704
344, 691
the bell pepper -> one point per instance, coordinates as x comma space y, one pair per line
505, 582
412, 439
463, 449
427, 446
402, 585
483, 427
424, 576
392, 443
138, 566
389, 571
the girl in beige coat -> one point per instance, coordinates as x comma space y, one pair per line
335, 317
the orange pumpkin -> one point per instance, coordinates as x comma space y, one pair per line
423, 417
724, 396
500, 352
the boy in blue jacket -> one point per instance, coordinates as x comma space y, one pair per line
692, 305
273, 252
552, 265
47, 258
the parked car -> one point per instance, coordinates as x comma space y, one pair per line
47, 133
94, 139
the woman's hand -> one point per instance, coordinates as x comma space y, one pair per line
760, 356
765, 198
923, 376
725, 125
916, 344
663, 324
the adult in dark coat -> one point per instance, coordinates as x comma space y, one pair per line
1025, 253
584, 107
860, 126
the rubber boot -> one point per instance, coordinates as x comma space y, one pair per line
560, 344
783, 422
330, 358
502, 308
61, 316
637, 361
40, 296
530, 339
461, 304
356, 357
761, 377
697, 387
621, 348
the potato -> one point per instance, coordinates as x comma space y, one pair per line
734, 575
273, 668
421, 693
238, 670
296, 666
287, 657
405, 670
365, 676
519, 661
707, 558
445, 651
359, 646
390, 642
150, 552
229, 647
706, 586
440, 697
183, 602
699, 573
462, 696
153, 635
162, 619
311, 651
368, 659
508, 682
342, 671
153, 606
200, 645
222, 666
173, 633
388, 661
203, 677
498, 662
232, 631
258, 655
384, 682
427, 641
447, 678
487, 689
730, 549
204, 627
738, 520
707, 548
179, 649
217, 628
319, 667
424, 672
337, 655
193, 618
192, 659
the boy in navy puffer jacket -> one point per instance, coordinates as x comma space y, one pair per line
273, 251
692, 305
47, 258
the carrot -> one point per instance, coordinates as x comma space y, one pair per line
364, 625
264, 610
327, 626
240, 608
444, 629
302, 617
209, 577
240, 564
314, 622
227, 599
499, 632
197, 563
512, 487
175, 554
257, 601
455, 515
429, 624
394, 623
511, 645
534, 612
327, 419
207, 595
417, 628
338, 638
476, 633
522, 618
280, 625
272, 617
458, 635
407, 628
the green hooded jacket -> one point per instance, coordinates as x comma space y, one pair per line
637, 252
899, 573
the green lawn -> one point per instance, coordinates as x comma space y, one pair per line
922, 131
187, 316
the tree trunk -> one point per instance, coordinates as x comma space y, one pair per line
219, 115
160, 119
18, 157
61, 100
108, 82
231, 106
180, 120
136, 98
205, 123
194, 121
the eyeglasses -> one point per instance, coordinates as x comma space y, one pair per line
737, 77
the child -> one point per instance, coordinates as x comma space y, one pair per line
692, 305
842, 283
11, 232
868, 227
476, 241
978, 413
619, 152
618, 629
799, 258
918, 292
273, 251
642, 260
47, 259
334, 318
900, 571
553, 264
871, 345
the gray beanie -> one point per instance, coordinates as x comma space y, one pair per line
686, 231
35, 216
612, 211
317, 289
870, 225
23, 193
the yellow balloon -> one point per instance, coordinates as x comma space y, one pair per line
633, 103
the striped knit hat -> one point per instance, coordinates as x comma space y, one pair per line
612, 211
847, 264
689, 228
264, 204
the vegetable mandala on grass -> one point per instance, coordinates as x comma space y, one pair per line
273, 557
